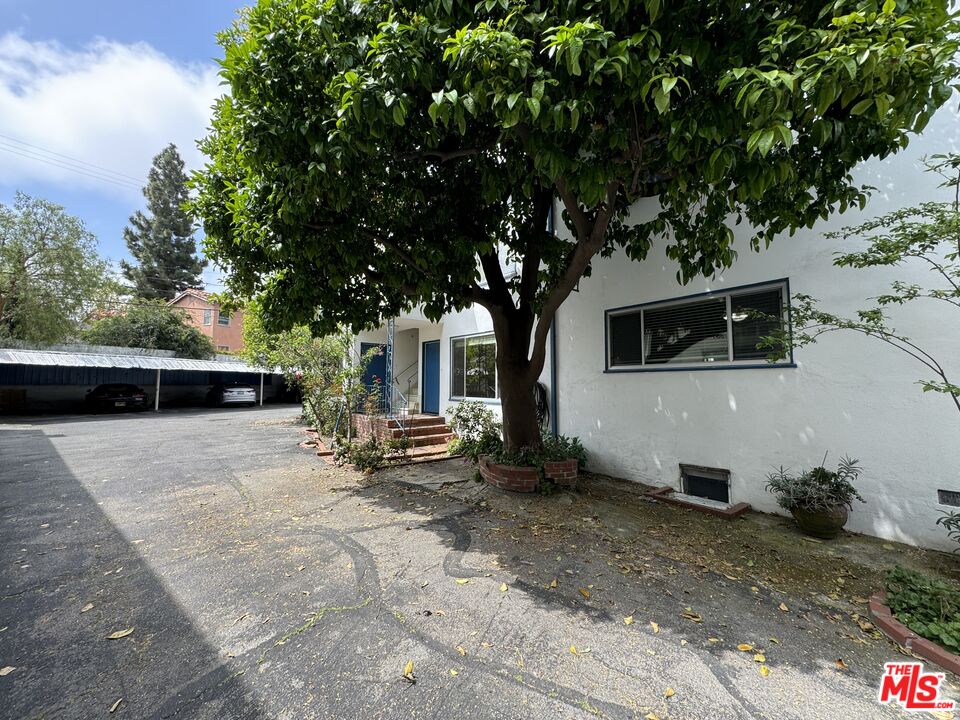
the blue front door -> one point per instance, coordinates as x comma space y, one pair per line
374, 377
431, 377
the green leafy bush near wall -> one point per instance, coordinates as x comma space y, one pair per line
928, 606
476, 429
368, 455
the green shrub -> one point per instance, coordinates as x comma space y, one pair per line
562, 447
476, 429
367, 455
554, 449
816, 489
397, 448
951, 522
320, 411
928, 606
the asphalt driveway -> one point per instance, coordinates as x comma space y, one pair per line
242, 578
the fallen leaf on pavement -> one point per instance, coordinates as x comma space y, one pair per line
119, 634
553, 583
585, 593
461, 650
114, 707
408, 671
503, 587
462, 581
651, 716
454, 673
654, 626
774, 640
744, 647
573, 649
713, 640
760, 658
628, 620
764, 670
86, 608
841, 665
7, 670
669, 692
689, 614
784, 607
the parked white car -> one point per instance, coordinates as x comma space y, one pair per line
231, 394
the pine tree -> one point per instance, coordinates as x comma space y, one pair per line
162, 241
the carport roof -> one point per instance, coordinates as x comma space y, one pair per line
143, 362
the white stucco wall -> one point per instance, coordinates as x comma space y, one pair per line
847, 395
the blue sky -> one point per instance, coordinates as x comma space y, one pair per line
109, 84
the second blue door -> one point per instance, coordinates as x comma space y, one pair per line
430, 382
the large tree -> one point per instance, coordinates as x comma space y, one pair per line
51, 275
151, 324
161, 241
376, 155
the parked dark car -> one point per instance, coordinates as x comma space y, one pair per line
117, 396
231, 394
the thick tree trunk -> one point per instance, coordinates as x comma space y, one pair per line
521, 428
518, 378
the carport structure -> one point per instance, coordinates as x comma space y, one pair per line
41, 379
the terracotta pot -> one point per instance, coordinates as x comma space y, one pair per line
825, 524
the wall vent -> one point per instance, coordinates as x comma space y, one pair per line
705, 482
948, 497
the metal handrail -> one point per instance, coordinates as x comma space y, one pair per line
393, 405
398, 375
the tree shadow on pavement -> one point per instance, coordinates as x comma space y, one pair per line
574, 570
69, 579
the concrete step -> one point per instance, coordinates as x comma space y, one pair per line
416, 421
439, 439
418, 431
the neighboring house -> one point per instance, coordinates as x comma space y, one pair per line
658, 378
224, 329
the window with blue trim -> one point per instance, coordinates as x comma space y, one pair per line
724, 329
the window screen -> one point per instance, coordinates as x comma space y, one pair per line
690, 333
754, 316
626, 340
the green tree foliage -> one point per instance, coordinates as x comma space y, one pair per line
162, 241
327, 369
373, 156
153, 325
50, 273
928, 236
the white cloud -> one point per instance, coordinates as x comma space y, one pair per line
109, 104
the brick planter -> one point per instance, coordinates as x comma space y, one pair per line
562, 472
526, 479
902, 635
509, 477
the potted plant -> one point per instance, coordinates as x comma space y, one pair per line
819, 499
